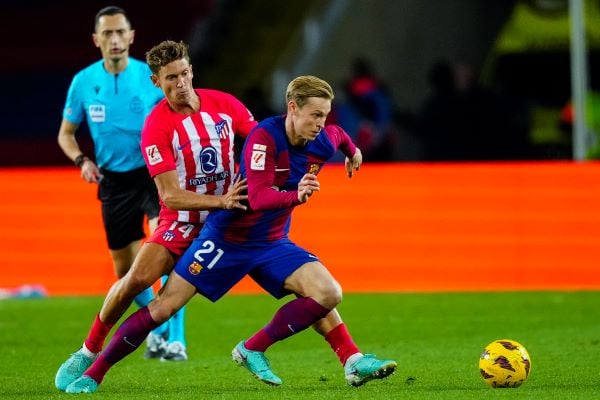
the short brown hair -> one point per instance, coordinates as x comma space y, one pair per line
165, 53
303, 87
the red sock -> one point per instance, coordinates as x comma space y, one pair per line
98, 332
341, 342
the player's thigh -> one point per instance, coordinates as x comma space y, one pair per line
152, 261
287, 268
171, 298
313, 279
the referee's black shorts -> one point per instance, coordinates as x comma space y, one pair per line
126, 197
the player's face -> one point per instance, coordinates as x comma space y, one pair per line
175, 79
113, 37
309, 120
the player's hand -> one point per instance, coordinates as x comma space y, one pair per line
90, 172
237, 193
353, 164
307, 186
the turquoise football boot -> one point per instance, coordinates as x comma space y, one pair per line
256, 363
367, 368
85, 384
72, 369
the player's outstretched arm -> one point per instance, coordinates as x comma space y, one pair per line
354, 163
176, 198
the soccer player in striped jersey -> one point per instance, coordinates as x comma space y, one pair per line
281, 159
114, 95
187, 143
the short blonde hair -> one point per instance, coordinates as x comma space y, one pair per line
303, 87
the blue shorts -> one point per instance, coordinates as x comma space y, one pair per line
214, 266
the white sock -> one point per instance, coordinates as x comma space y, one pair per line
86, 352
352, 359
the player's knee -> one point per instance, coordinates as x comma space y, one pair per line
136, 283
331, 294
161, 310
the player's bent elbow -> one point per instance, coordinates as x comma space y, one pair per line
169, 201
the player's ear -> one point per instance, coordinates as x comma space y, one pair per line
292, 106
154, 80
95, 40
132, 36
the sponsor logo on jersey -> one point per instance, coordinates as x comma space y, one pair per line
203, 180
259, 154
97, 112
183, 146
209, 160
153, 154
195, 268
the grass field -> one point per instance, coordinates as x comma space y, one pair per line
436, 339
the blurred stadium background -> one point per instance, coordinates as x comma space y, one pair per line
508, 63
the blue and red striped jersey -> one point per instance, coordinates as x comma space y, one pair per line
273, 168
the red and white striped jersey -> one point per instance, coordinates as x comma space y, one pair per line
198, 146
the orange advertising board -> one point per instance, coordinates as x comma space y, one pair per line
392, 227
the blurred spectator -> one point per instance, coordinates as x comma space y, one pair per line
367, 112
462, 121
255, 98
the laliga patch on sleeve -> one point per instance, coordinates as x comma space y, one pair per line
257, 162
153, 154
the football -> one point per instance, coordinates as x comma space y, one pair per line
504, 363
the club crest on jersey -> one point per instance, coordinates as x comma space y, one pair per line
153, 154
168, 236
259, 154
136, 105
313, 168
195, 268
222, 129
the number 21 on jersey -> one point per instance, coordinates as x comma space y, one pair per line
208, 251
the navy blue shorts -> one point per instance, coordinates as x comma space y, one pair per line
214, 266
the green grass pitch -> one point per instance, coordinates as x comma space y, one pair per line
436, 339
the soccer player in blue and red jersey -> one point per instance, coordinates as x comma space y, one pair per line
281, 159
